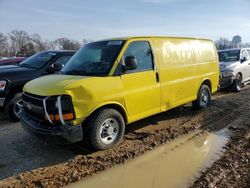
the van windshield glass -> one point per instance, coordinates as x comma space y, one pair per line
38, 60
229, 56
95, 59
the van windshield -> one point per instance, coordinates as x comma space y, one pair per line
95, 59
229, 56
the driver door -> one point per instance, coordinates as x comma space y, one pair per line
141, 86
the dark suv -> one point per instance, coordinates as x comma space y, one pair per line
13, 77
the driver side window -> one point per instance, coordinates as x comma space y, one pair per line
248, 52
62, 60
245, 54
142, 51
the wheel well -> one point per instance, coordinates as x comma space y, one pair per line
116, 107
9, 97
208, 83
240, 74
12, 93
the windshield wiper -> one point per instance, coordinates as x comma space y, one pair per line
82, 73
75, 72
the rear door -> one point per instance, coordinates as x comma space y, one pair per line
141, 86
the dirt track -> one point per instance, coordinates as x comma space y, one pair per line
47, 164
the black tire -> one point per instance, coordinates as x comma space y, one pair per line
97, 130
10, 107
237, 85
203, 98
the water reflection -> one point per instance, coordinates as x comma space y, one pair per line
176, 164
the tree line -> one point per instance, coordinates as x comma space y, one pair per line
20, 43
236, 42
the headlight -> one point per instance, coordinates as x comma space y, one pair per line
3, 84
63, 104
228, 73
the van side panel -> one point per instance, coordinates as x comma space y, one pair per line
207, 62
183, 68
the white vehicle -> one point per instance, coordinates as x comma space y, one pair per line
234, 68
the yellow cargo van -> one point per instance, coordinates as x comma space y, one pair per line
110, 83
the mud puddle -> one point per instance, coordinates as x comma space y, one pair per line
176, 164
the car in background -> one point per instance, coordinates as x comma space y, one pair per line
11, 60
234, 68
13, 77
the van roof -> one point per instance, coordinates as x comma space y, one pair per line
138, 37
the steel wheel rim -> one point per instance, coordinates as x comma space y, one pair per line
18, 108
109, 130
204, 98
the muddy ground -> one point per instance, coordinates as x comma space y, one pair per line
28, 162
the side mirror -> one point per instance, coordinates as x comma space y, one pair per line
57, 67
130, 63
243, 59
54, 68
50, 69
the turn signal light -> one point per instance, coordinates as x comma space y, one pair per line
69, 116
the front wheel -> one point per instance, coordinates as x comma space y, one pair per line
237, 83
105, 129
203, 98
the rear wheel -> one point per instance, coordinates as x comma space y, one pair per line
105, 129
237, 83
203, 98
13, 107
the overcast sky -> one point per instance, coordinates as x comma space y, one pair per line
97, 19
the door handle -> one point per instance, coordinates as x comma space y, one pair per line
157, 77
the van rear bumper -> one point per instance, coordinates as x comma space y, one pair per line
59, 134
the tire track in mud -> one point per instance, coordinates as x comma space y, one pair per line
148, 134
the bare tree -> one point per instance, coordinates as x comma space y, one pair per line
39, 43
66, 44
4, 46
18, 41
243, 45
86, 41
223, 43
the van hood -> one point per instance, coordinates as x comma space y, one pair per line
228, 65
52, 84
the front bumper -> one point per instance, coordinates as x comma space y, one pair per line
2, 102
65, 133
226, 82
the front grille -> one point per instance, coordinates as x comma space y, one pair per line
33, 106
